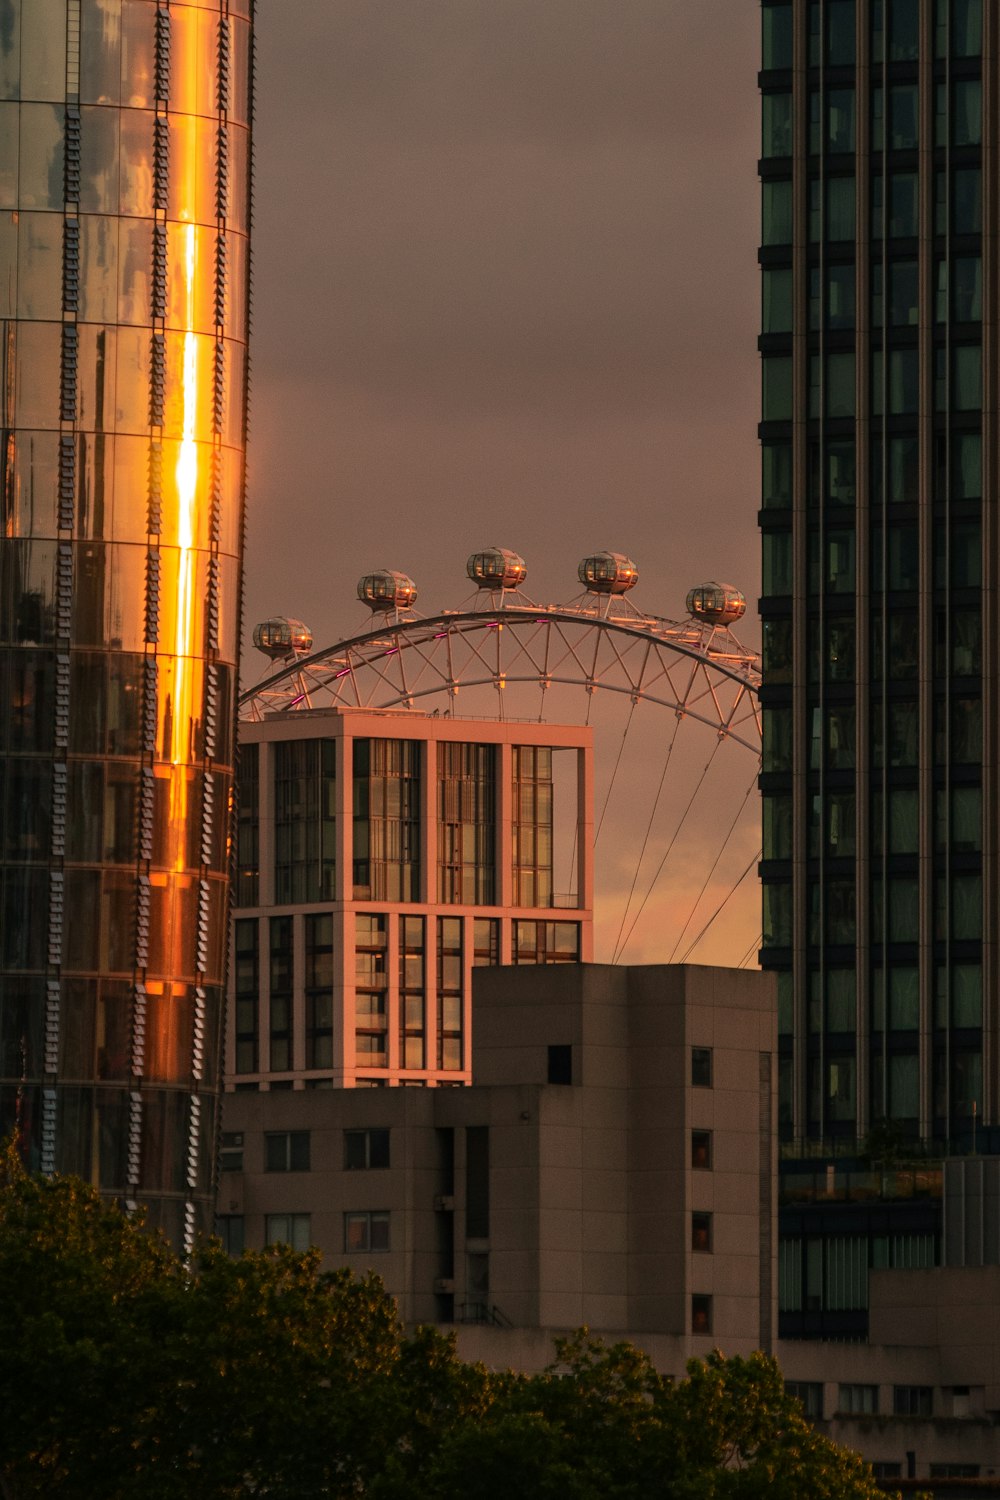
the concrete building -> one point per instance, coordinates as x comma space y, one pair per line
382, 857
609, 1166
615, 1164
124, 291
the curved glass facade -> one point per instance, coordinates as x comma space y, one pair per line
124, 217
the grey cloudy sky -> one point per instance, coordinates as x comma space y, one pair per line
504, 292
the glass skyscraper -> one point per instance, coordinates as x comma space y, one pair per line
881, 273
124, 216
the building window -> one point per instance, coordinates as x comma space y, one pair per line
288, 1229
387, 820
701, 1233
319, 990
701, 1313
560, 1064
371, 1012
886, 1469
304, 821
701, 1067
231, 1154
248, 828
466, 824
955, 1471
282, 989
810, 1394
532, 825
485, 942
286, 1151
247, 981
412, 1004
229, 1229
546, 942
912, 1400
701, 1150
450, 1000
366, 1231
858, 1399
365, 1149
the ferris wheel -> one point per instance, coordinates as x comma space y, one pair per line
519, 653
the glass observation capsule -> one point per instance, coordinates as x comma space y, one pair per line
716, 603
386, 590
608, 573
280, 637
497, 568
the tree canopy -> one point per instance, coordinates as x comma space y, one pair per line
126, 1372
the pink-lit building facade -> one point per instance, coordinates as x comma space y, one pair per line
382, 856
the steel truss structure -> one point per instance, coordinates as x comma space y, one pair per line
699, 670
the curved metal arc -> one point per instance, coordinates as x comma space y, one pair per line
399, 638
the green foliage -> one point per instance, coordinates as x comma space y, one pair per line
127, 1373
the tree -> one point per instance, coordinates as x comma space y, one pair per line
126, 1372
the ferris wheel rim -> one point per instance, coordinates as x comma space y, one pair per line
657, 632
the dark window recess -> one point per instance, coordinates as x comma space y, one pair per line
810, 1394
286, 1151
701, 1232
229, 1228
701, 1150
560, 1064
701, 1313
365, 1149
701, 1067
477, 1182
912, 1400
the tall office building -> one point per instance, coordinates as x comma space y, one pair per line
124, 213
881, 704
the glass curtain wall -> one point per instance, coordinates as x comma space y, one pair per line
879, 560
387, 820
124, 215
466, 824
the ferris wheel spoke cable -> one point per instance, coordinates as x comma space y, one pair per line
666, 855
715, 865
721, 906
614, 773
645, 839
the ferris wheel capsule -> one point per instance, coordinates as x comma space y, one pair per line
497, 568
385, 591
716, 603
608, 573
280, 638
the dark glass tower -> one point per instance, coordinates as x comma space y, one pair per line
124, 208
881, 274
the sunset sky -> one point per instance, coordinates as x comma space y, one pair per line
505, 292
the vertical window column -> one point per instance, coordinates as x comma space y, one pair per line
532, 825
450, 972
281, 994
412, 1002
248, 828
371, 1005
319, 990
247, 985
304, 821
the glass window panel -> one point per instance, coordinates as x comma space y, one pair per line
840, 385
967, 289
966, 28
9, 137
904, 383
43, 49
903, 117
99, 160
840, 571
37, 380
967, 200
840, 208
777, 401
135, 258
840, 297
98, 269
966, 112
194, 53
967, 377
777, 212
776, 486
776, 288
40, 161
966, 995
840, 33
903, 205
903, 821
193, 154
777, 930
138, 54
777, 36
777, 737
840, 120
904, 30
903, 293
777, 556
39, 266
777, 124
237, 139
